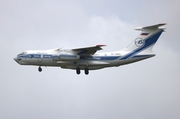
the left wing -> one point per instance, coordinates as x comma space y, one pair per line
88, 50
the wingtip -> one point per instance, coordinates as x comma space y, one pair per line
162, 23
101, 45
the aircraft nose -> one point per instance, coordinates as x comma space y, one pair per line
16, 59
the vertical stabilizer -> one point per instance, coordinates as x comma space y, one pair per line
146, 40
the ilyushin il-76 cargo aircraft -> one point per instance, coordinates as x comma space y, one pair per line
87, 58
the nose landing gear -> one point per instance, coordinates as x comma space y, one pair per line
40, 69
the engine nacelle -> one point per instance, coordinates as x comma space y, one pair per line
67, 57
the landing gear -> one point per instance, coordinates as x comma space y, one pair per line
86, 71
39, 69
78, 71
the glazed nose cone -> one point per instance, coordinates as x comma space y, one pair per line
16, 59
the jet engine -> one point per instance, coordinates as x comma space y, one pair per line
67, 57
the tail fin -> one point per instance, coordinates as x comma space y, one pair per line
146, 40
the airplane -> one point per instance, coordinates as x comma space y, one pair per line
87, 58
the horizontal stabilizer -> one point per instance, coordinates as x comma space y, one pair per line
151, 27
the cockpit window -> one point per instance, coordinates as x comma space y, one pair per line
23, 53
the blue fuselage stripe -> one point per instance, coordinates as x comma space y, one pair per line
100, 58
44, 56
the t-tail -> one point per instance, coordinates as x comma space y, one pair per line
145, 41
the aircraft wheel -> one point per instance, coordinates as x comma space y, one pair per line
78, 71
86, 70
39, 69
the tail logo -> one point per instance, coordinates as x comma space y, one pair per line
139, 42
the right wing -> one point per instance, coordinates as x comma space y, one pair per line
88, 50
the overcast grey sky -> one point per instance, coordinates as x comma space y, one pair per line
143, 90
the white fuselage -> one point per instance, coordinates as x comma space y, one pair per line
66, 59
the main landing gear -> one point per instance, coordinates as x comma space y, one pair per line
40, 69
78, 71
86, 70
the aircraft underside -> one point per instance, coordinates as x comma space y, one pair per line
79, 65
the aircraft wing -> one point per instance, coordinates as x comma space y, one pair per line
88, 50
